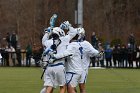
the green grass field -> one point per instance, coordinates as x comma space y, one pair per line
27, 80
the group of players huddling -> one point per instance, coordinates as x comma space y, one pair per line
67, 58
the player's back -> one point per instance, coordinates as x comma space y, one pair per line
88, 51
73, 63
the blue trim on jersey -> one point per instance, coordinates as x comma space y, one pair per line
52, 65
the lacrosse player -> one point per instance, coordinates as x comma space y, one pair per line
77, 64
55, 72
88, 51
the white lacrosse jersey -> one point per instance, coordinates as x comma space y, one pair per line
88, 51
74, 62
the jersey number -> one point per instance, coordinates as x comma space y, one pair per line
81, 51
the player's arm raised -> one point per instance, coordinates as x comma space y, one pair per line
47, 34
71, 31
48, 30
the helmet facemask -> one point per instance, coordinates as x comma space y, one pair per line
55, 36
57, 33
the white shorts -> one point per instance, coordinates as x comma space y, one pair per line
72, 78
55, 76
83, 76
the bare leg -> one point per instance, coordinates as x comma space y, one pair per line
71, 89
49, 89
82, 88
63, 89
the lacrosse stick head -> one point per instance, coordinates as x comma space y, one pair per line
52, 20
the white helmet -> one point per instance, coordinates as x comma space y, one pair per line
81, 33
58, 31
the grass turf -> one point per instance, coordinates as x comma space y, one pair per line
27, 80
